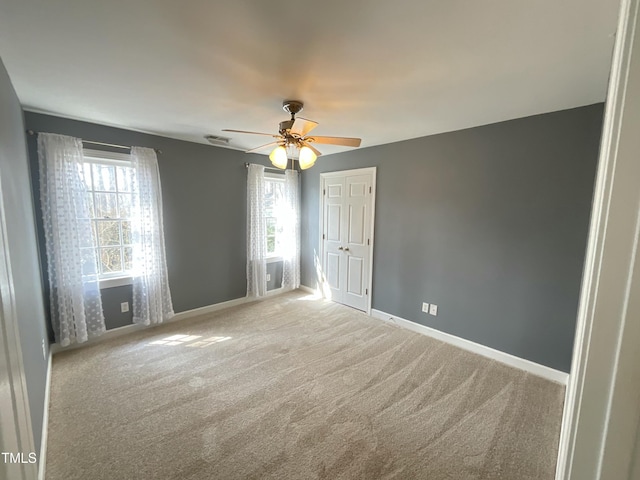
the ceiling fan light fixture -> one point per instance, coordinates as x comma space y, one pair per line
307, 158
279, 158
293, 140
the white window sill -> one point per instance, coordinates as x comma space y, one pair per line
115, 282
274, 259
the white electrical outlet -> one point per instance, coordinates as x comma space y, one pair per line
425, 307
268, 277
124, 307
433, 310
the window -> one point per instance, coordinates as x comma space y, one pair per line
109, 179
274, 209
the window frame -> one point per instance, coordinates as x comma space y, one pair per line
115, 159
273, 177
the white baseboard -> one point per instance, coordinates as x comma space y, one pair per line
113, 333
208, 309
310, 290
44, 434
506, 358
222, 305
128, 329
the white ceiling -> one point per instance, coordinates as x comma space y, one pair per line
376, 69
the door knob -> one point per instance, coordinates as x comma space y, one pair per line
346, 249
340, 248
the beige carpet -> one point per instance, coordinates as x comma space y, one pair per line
295, 388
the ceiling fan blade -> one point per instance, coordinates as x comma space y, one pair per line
313, 149
345, 141
302, 126
252, 133
271, 144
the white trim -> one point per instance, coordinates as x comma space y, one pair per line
599, 427
275, 291
354, 171
128, 329
109, 334
276, 177
112, 159
502, 357
100, 156
319, 287
14, 401
274, 259
115, 282
223, 305
195, 312
310, 290
42, 458
339, 173
374, 171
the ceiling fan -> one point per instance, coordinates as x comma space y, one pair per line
294, 134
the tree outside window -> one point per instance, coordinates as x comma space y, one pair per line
109, 197
274, 210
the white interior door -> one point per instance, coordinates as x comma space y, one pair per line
357, 228
347, 235
333, 250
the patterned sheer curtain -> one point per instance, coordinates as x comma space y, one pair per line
76, 305
291, 232
151, 294
256, 233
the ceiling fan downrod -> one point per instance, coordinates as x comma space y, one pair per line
292, 107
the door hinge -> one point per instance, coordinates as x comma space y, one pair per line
324, 191
369, 189
323, 236
368, 241
366, 291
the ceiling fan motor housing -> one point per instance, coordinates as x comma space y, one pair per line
285, 126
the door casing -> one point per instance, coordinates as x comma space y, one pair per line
16, 435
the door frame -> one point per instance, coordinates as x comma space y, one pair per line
339, 173
601, 422
18, 436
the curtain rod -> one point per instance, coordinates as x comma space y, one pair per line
157, 150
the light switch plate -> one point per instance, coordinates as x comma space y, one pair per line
433, 309
124, 307
425, 307
268, 277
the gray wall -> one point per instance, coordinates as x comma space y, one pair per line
275, 270
23, 250
489, 223
204, 202
111, 300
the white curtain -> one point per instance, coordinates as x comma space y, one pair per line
76, 306
151, 295
256, 233
291, 232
